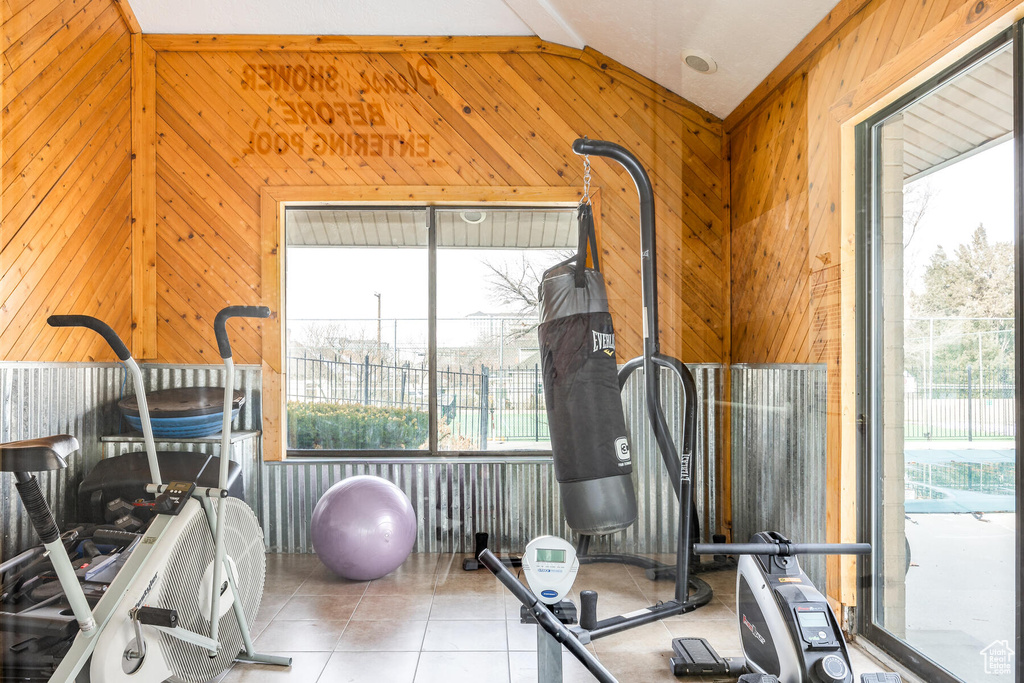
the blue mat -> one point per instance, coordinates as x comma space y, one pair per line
191, 427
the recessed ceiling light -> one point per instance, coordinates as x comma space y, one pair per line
699, 61
473, 217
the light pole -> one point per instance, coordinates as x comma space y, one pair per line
379, 354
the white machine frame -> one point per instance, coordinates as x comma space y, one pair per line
133, 581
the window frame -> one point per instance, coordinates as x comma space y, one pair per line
430, 209
868, 333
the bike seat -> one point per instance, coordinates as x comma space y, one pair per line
37, 455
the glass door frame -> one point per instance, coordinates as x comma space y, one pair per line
869, 342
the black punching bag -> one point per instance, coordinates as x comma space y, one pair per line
581, 388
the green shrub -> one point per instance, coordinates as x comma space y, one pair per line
354, 426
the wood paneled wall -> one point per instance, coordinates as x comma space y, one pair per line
792, 269
750, 241
479, 113
65, 213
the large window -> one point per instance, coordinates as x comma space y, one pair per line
937, 318
415, 329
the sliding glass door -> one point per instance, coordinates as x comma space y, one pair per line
937, 273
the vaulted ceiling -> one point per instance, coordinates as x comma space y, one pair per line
745, 38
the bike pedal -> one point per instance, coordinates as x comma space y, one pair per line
157, 616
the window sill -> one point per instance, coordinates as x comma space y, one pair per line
415, 457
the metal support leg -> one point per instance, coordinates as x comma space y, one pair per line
549, 657
248, 655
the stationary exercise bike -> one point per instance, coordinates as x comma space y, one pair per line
166, 613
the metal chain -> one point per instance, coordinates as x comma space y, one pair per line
586, 180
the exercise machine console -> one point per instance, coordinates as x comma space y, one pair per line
787, 628
550, 565
552, 628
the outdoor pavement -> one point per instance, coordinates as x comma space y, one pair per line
960, 586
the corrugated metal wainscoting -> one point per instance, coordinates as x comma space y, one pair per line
39, 399
513, 498
778, 455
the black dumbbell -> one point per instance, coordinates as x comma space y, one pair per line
127, 523
117, 508
89, 549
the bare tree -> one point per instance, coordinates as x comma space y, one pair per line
515, 282
322, 337
335, 340
916, 198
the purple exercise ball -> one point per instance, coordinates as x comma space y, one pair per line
363, 528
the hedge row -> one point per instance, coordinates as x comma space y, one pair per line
352, 425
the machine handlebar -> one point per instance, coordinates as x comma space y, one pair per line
545, 618
221, 321
97, 326
784, 549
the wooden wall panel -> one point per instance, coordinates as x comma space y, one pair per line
230, 123
787, 273
770, 233
65, 151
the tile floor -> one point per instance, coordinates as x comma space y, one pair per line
430, 621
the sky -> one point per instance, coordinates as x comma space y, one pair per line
350, 277
978, 189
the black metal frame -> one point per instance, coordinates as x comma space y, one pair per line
431, 451
868, 336
1018, 323
652, 361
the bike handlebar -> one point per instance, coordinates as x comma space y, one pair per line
784, 549
220, 324
97, 326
